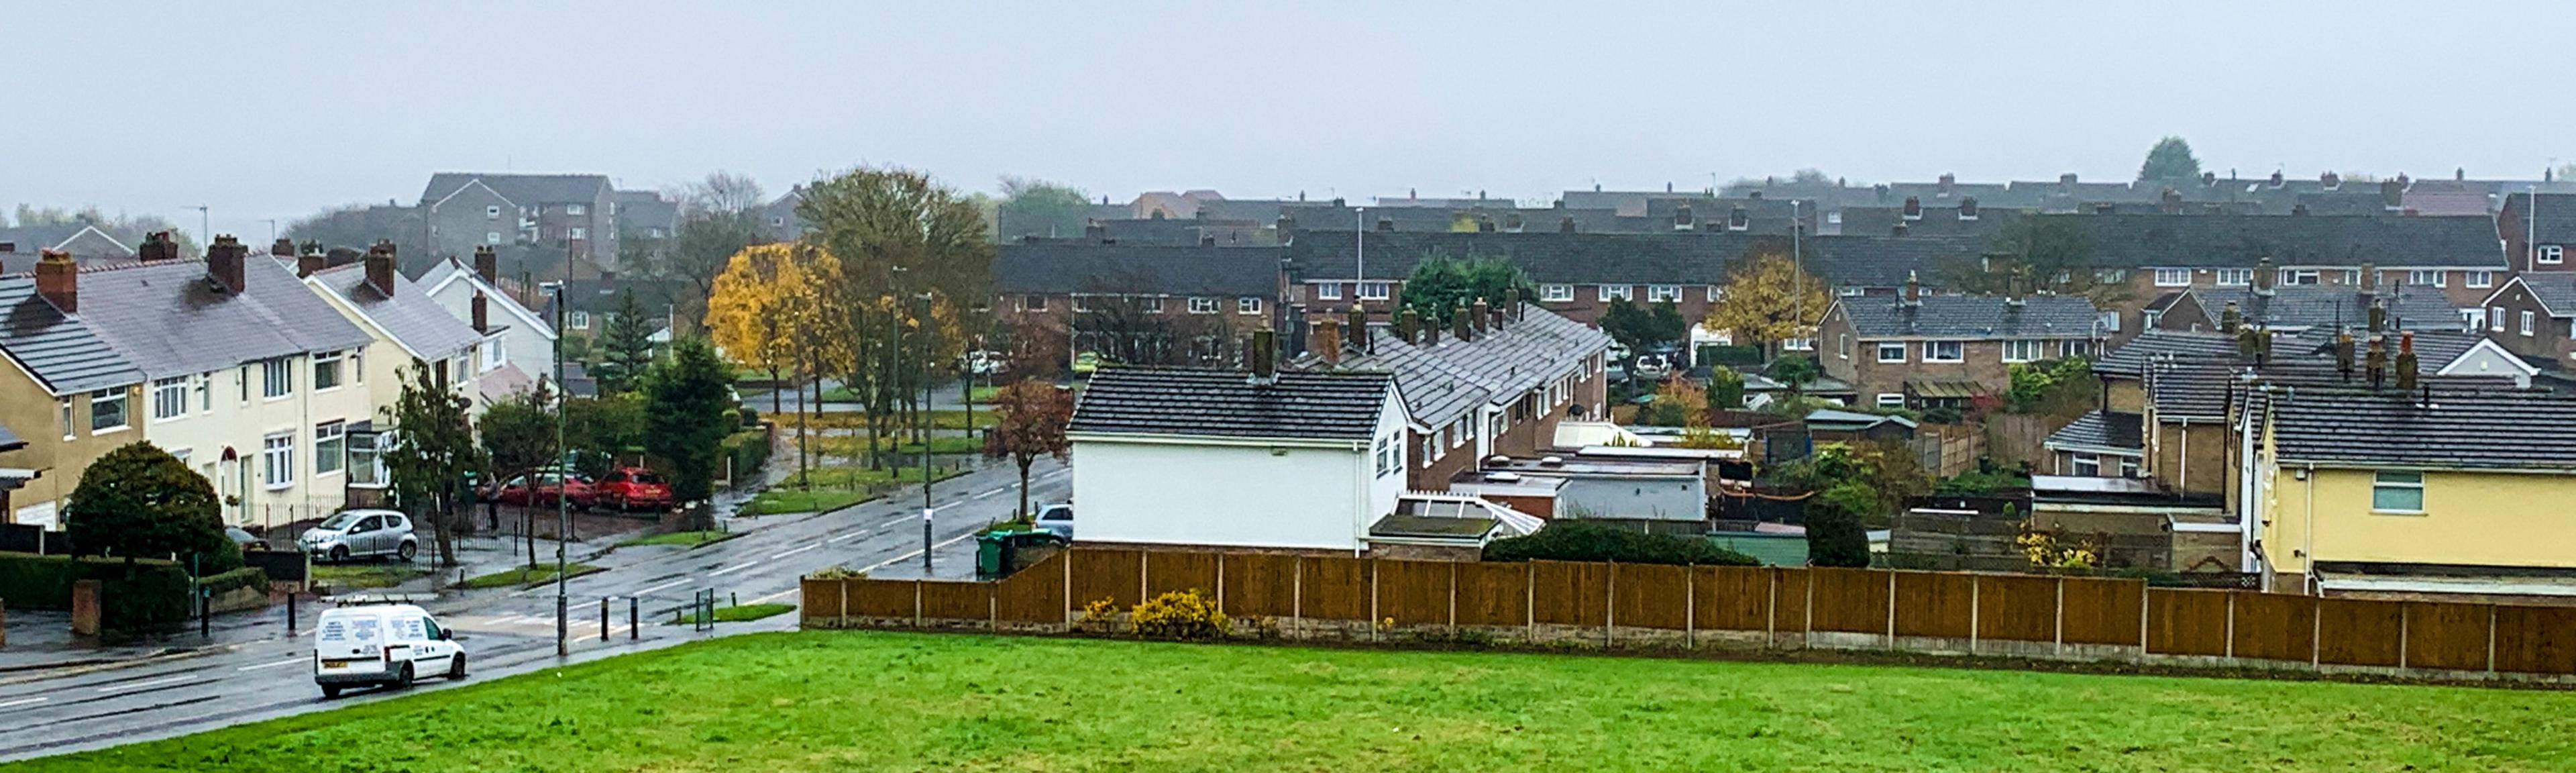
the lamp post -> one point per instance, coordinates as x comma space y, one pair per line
930, 428
563, 478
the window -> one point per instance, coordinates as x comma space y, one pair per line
2074, 348
1556, 292
1661, 293
1891, 400
2128, 467
1430, 448
242, 379
2022, 351
2526, 323
2495, 319
1842, 346
1375, 291
1798, 344
2300, 277
1386, 453
2235, 277
2476, 279
2550, 253
2173, 277
2422, 278
1152, 304
330, 447
493, 355
1247, 305
169, 398
277, 461
1027, 303
1621, 292
2397, 491
358, 364
580, 232
2351, 277
1203, 305
2108, 321
2110, 276
491, 237
1080, 303
326, 370
2151, 318
67, 419
581, 320
1714, 292
1891, 351
106, 410
2088, 465
778, 222
576, 209
277, 377
1328, 291
205, 392
1851, 292
1942, 351
366, 466
1834, 218
492, 212
459, 365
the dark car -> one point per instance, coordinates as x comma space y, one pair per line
248, 542
630, 488
543, 489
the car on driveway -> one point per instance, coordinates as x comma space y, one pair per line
248, 542
360, 533
1057, 519
386, 645
542, 489
630, 488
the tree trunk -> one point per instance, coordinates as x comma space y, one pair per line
774, 386
1024, 487
528, 524
446, 528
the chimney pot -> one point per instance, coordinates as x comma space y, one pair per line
1408, 326
2265, 278
2067, 179
1357, 329
2406, 362
58, 280
1484, 316
158, 245
380, 268
226, 261
283, 248
310, 260
1913, 289
1461, 322
487, 265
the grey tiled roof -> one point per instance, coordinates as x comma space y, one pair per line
1051, 267
2101, 429
2457, 428
8, 440
2156, 344
61, 350
2197, 241
1547, 256
167, 318
1206, 402
1874, 260
2554, 290
2556, 223
1444, 380
2195, 392
521, 189
1984, 317
2434, 349
2305, 306
409, 316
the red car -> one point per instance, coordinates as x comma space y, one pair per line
629, 488
549, 486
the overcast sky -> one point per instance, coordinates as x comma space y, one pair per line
278, 112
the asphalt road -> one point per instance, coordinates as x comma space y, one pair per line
512, 631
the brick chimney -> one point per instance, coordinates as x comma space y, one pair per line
1093, 231
1948, 181
1913, 290
2406, 362
1408, 326
1565, 226
2171, 202
482, 313
1356, 329
2377, 361
2265, 279
487, 265
157, 246
2343, 355
2230, 319
2330, 180
1968, 208
2369, 278
1913, 208
1512, 304
2067, 179
2392, 195
1328, 339
1264, 356
380, 268
1484, 317
58, 280
310, 260
282, 248
225, 263
1459, 322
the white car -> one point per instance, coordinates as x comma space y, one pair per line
382, 645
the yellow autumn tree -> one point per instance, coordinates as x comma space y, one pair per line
1762, 301
764, 312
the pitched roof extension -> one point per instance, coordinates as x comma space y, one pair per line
61, 351
1982, 317
1209, 402
2101, 431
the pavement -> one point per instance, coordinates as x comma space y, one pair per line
255, 668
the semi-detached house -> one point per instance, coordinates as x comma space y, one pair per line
519, 343
410, 330
1930, 351
67, 399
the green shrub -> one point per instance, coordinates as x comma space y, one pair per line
1574, 540
1835, 535
245, 577
749, 450
144, 595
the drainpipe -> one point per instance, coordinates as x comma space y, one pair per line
2183, 453
2308, 567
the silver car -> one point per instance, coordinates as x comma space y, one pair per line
354, 533
1057, 520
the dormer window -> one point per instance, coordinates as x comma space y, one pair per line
2552, 254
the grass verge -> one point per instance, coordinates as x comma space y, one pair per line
683, 538
742, 612
343, 577
783, 702
786, 500
524, 576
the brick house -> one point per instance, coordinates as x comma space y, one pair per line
1925, 351
1497, 382
2534, 316
573, 211
2153, 254
2538, 234
1135, 303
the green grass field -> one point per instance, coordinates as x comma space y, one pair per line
817, 701
742, 612
544, 572
361, 576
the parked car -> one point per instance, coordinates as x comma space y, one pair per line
249, 543
628, 488
381, 644
983, 363
1057, 519
358, 533
543, 488
1651, 368
1086, 362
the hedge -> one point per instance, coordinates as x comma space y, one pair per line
143, 595
1575, 540
245, 577
748, 449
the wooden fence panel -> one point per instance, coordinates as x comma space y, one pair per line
1934, 604
2099, 611
1732, 598
1260, 585
821, 599
1650, 596
2535, 640
1413, 592
2017, 608
2361, 632
2275, 626
2443, 635
881, 598
2185, 621
1175, 572
1107, 574
1851, 600
956, 601
1335, 588
1789, 614
1033, 595
1493, 594
1571, 593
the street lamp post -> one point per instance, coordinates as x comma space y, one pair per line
931, 427
563, 515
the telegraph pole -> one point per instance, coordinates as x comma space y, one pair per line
922, 347
563, 480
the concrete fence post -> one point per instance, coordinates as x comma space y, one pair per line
2405, 620
1891, 609
993, 607
845, 600
1373, 618
1297, 593
2059, 646
1529, 604
1453, 599
1771, 610
1144, 577
1220, 583
2491, 641
2231, 625
1610, 605
1808, 629
85, 611
1690, 607
2317, 625
916, 604
1067, 559
1973, 613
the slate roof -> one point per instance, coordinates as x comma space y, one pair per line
640, 210
2554, 290
2195, 392
2458, 428
1549, 257
62, 351
2101, 430
1343, 219
521, 189
2306, 306
2434, 349
1873, 260
1060, 267
1443, 381
2157, 344
409, 316
2556, 223
1982, 317
2233, 241
1940, 220
167, 318
1208, 402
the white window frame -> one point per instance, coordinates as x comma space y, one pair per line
1202, 305
328, 362
576, 209
2526, 323
1328, 291
205, 392
2477, 279
1376, 291
2427, 278
2148, 319
1891, 400
2552, 254
2235, 277
2109, 321
494, 355
1662, 293
70, 430
366, 460
491, 237
277, 378
2495, 319
2078, 462
1715, 292
578, 232
124, 410
2380, 481
1556, 293
1247, 305
1932, 351
2305, 276
1797, 344
2030, 350
492, 212
1151, 304
330, 448
169, 398
277, 461
2073, 348
580, 320
2469, 318
1430, 449
1621, 292
1898, 347
2173, 277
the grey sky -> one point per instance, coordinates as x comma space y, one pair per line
275, 113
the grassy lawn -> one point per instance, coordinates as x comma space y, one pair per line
360, 576
511, 578
741, 612
793, 702
848, 446
944, 419
832, 487
682, 538
788, 500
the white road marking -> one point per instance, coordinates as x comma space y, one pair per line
286, 662
732, 569
612, 632
796, 551
22, 702
778, 595
152, 683
992, 492
916, 554
851, 535
663, 586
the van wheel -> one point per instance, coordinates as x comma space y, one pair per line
406, 551
330, 691
339, 554
402, 679
456, 667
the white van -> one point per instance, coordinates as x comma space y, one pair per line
381, 644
